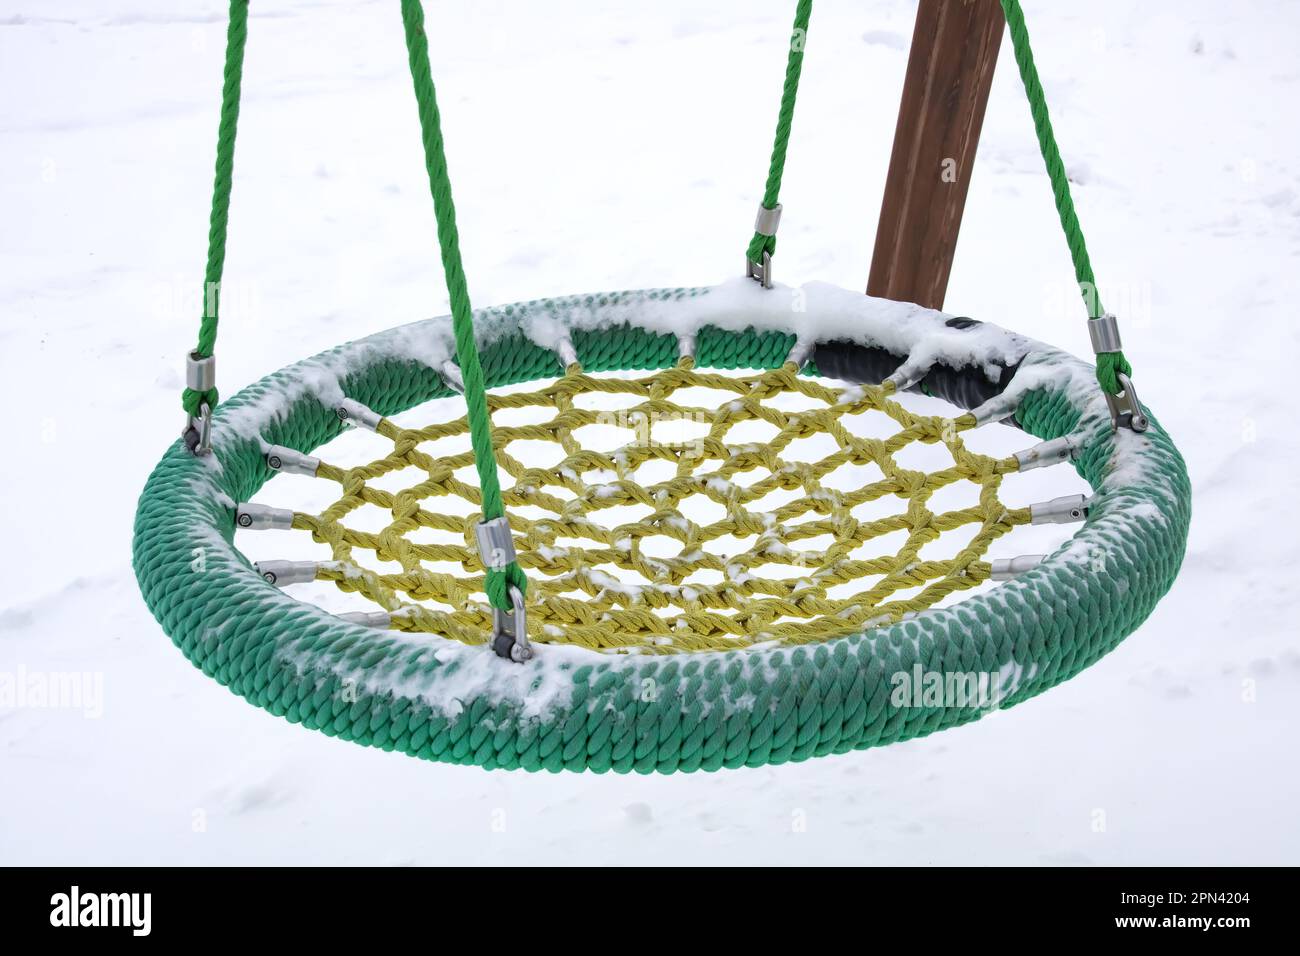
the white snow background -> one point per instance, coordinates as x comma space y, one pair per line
608, 145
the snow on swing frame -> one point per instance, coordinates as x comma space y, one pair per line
571, 708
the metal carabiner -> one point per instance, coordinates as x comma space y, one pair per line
762, 271
509, 630
1125, 409
197, 433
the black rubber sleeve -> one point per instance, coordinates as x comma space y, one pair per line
870, 365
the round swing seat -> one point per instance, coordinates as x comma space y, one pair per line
705, 601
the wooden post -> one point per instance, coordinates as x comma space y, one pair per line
949, 72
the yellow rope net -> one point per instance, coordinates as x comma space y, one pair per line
663, 582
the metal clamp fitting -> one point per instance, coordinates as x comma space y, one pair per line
1004, 569
281, 573
1047, 453
352, 412
767, 220
200, 372
567, 353
1125, 409
279, 458
263, 518
496, 549
1064, 510
762, 271
496, 545
907, 375
509, 630
452, 378
200, 376
800, 352
1104, 333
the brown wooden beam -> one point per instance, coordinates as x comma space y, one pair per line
949, 72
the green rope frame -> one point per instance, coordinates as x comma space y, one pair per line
574, 710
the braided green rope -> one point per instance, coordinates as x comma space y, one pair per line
432, 699
236, 34
785, 118
1109, 364
498, 583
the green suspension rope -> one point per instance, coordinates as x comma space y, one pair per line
1109, 364
498, 582
236, 34
480, 424
785, 118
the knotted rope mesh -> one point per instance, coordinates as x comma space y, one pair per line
613, 541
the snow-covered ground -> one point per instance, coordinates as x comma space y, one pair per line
616, 145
